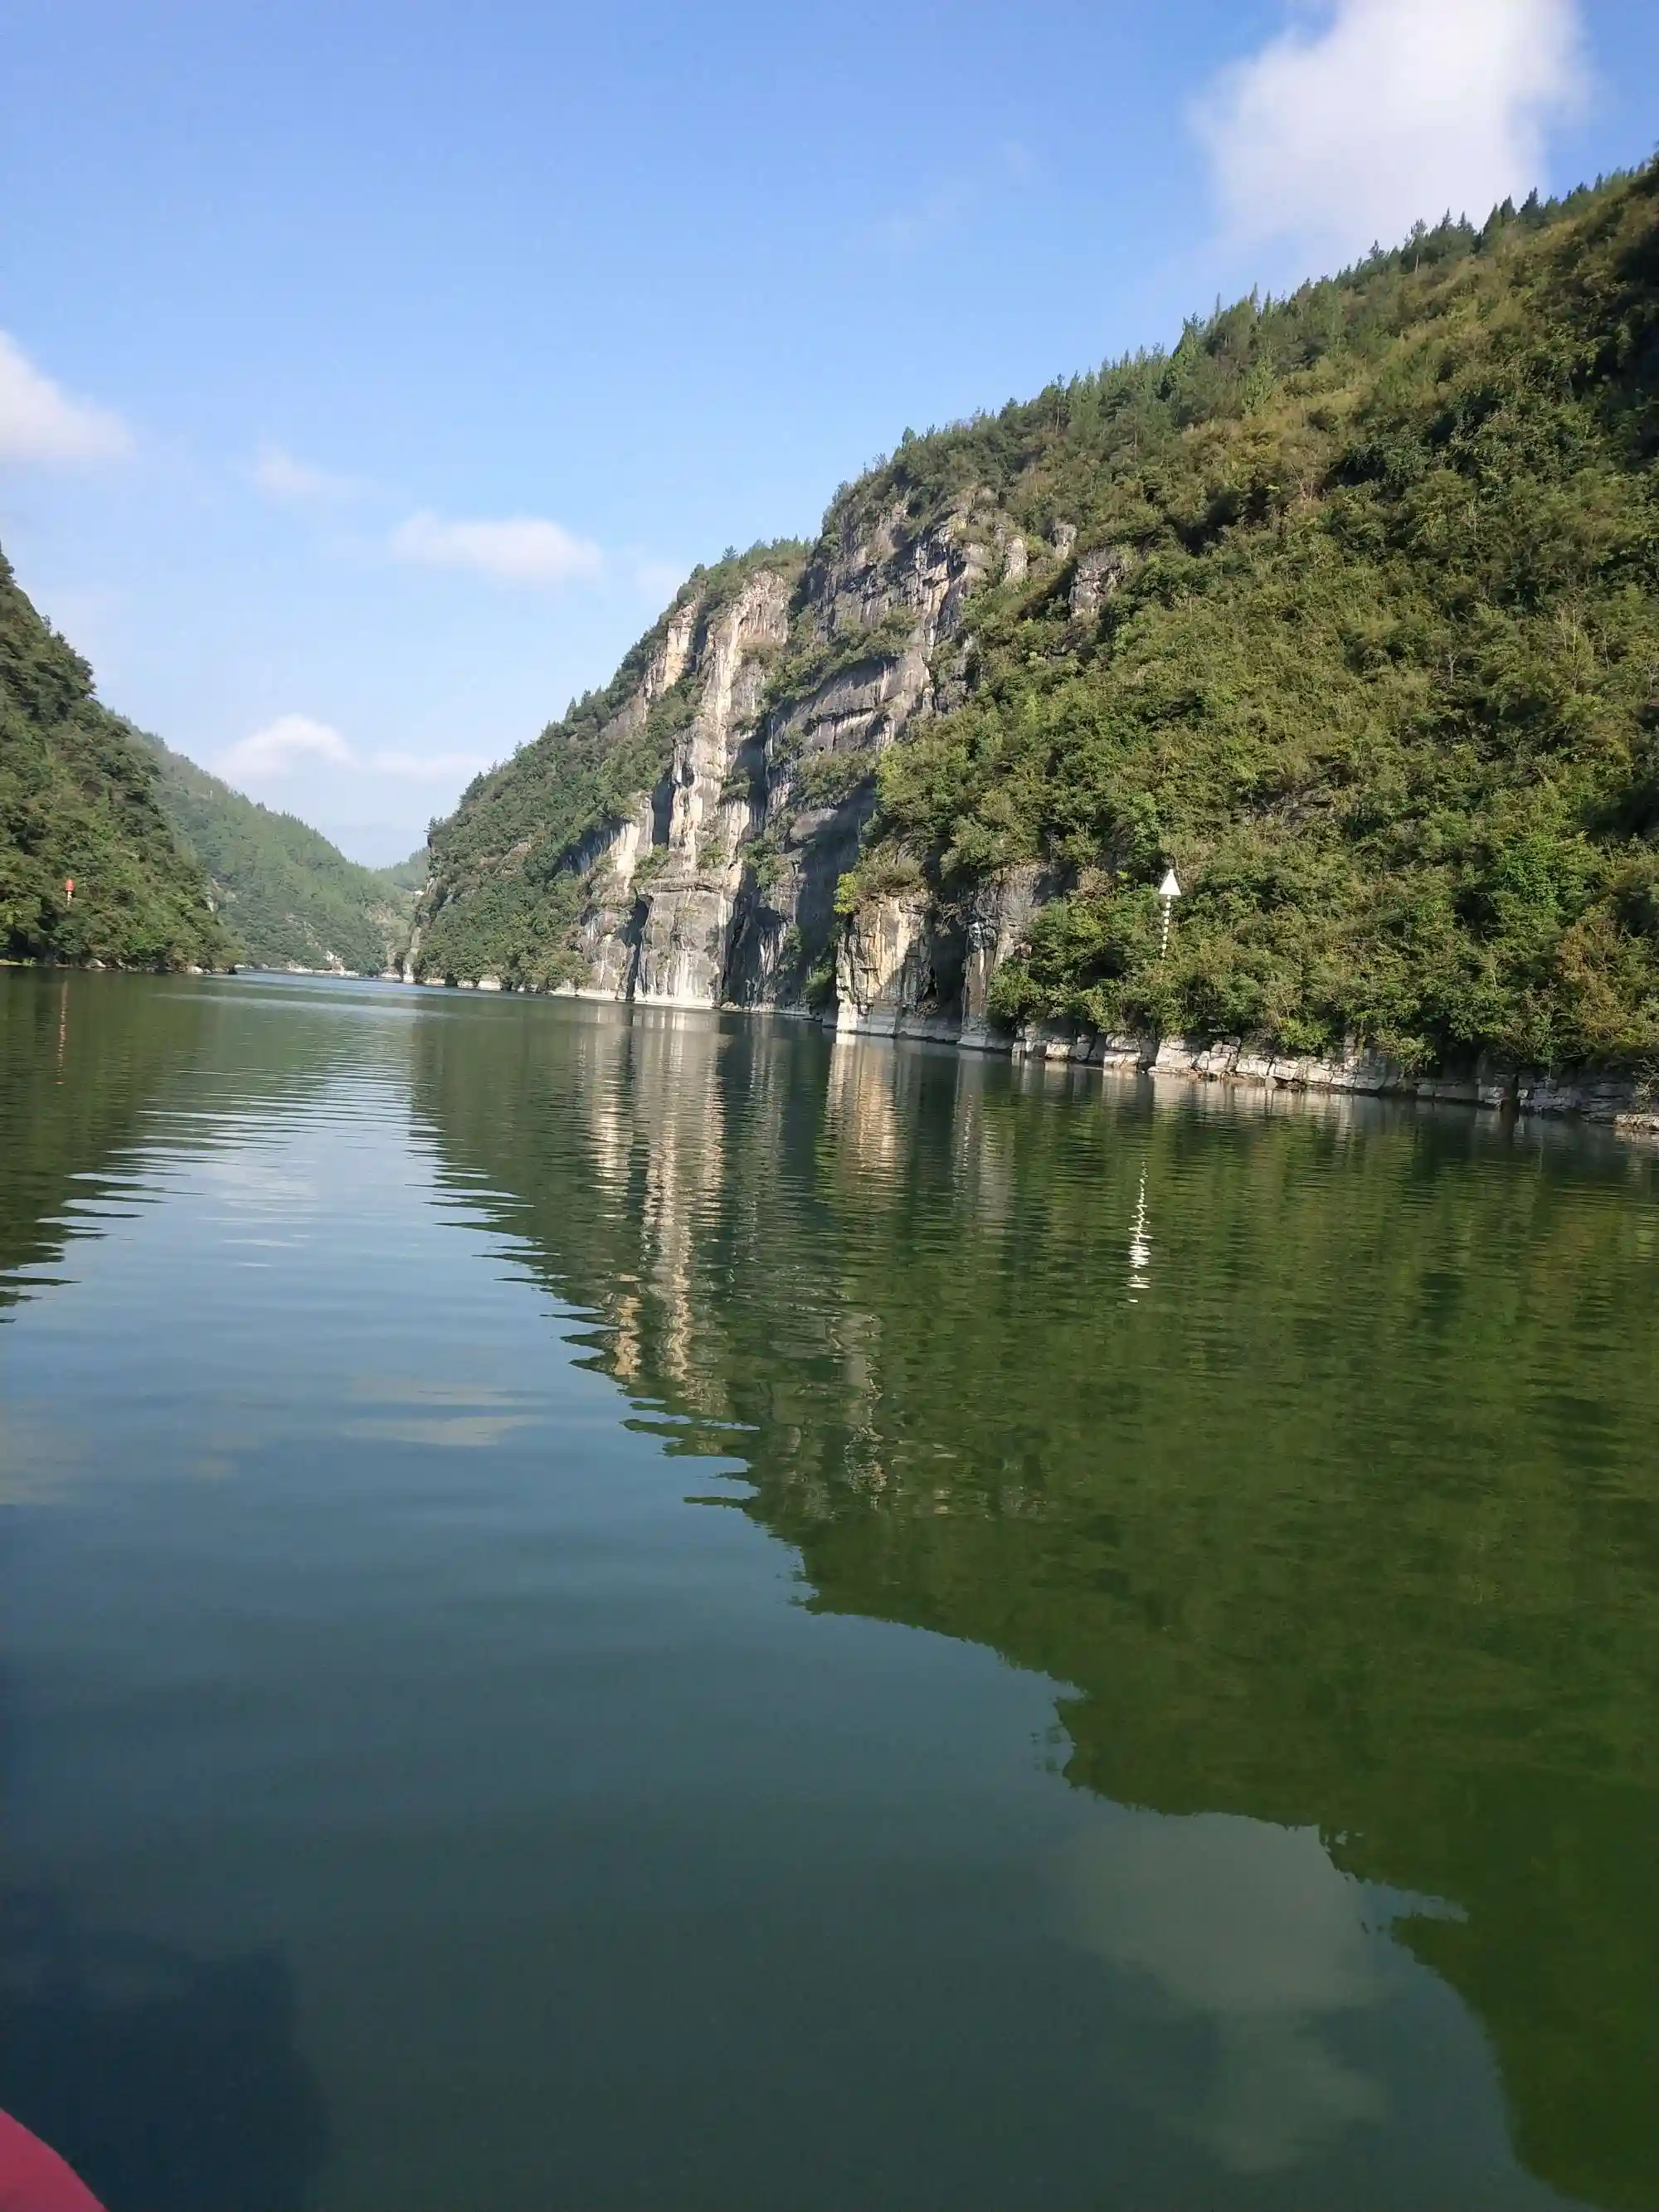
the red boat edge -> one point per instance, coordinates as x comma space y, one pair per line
33, 2179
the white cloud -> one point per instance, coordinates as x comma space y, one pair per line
39, 422
434, 768
1251, 1928
521, 549
297, 741
1385, 111
280, 475
283, 746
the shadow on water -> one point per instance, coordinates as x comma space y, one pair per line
1314, 1448
167, 2081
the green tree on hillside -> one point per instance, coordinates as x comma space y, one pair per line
78, 801
289, 898
1378, 664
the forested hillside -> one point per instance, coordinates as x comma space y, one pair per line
289, 898
1376, 662
78, 800
1348, 605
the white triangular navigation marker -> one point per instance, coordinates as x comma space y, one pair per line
1167, 892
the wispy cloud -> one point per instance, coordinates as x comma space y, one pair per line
1380, 111
299, 741
283, 746
428, 768
949, 204
904, 229
41, 421
276, 473
520, 549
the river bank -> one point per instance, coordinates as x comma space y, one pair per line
1626, 1103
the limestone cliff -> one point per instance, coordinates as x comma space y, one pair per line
1348, 608
753, 718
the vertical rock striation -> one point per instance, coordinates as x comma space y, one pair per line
714, 883
1344, 604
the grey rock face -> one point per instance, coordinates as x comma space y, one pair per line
720, 887
1100, 572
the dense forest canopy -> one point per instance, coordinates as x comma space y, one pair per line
79, 803
1378, 664
289, 897
1370, 651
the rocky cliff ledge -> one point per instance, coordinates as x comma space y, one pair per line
760, 708
772, 687
1347, 607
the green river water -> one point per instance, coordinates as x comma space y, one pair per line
660, 1611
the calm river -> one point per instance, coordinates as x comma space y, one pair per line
623, 1615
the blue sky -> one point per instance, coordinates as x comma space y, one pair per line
372, 371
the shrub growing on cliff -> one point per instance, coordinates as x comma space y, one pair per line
1381, 673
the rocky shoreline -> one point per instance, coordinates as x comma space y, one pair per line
1626, 1104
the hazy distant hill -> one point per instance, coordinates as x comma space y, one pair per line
290, 899
408, 875
79, 799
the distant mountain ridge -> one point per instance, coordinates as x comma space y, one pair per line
80, 804
290, 899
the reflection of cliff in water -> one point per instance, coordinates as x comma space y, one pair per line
1312, 1448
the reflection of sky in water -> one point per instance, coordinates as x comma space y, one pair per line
1250, 1929
440, 1694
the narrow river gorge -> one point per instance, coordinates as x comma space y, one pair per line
604, 1605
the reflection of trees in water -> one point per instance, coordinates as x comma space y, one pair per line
72, 1095
166, 2080
1342, 1516
97, 1071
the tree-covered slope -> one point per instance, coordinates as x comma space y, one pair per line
1372, 653
408, 875
290, 899
78, 800
1348, 606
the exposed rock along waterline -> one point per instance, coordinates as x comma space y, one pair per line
718, 889
1347, 608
